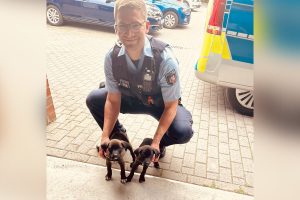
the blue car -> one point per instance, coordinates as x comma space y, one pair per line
227, 54
100, 12
175, 12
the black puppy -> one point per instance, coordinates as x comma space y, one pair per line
144, 156
115, 151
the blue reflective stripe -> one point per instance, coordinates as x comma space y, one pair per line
238, 23
241, 49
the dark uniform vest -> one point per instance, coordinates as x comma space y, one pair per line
141, 84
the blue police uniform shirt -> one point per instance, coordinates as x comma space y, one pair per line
169, 65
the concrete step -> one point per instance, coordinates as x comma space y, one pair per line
67, 179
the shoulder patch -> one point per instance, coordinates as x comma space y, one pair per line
171, 77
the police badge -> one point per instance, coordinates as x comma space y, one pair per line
171, 77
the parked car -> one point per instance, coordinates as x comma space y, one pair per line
100, 12
155, 17
175, 13
193, 4
227, 54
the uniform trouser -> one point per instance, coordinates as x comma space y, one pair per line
179, 132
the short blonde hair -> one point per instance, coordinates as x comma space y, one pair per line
133, 4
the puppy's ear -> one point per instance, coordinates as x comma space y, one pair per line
104, 146
137, 151
126, 145
156, 153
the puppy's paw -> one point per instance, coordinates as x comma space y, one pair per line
128, 180
123, 181
108, 178
142, 179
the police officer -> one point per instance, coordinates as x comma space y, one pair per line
141, 78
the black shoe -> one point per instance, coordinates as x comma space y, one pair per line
102, 85
162, 152
122, 129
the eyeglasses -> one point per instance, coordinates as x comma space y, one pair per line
135, 27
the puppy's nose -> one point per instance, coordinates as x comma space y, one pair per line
115, 155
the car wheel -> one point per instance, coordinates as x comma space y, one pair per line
54, 16
170, 20
241, 100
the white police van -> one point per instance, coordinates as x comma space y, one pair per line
227, 54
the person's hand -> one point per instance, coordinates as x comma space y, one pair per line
155, 146
104, 140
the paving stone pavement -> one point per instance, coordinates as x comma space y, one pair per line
220, 154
